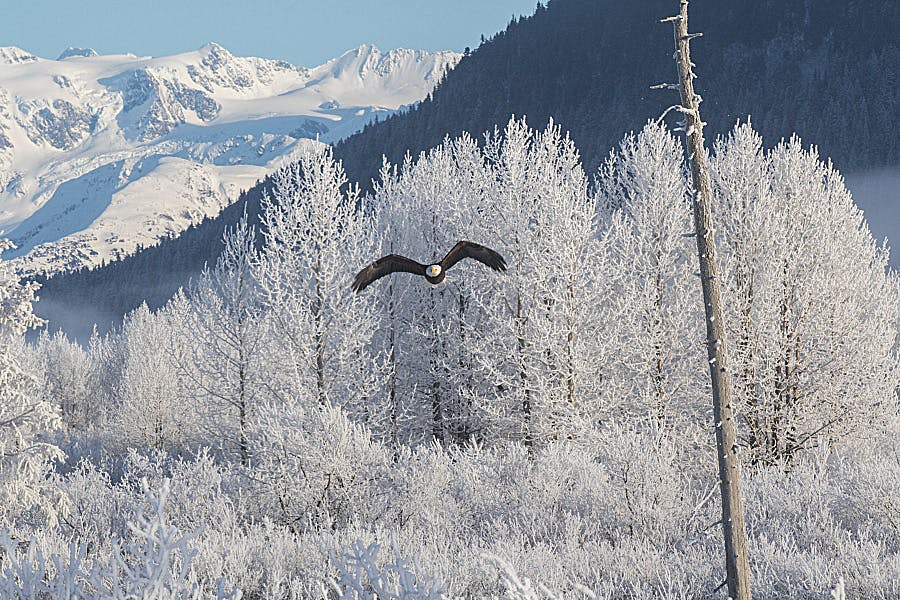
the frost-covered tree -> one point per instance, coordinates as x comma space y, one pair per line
489, 348
226, 334
66, 380
25, 454
152, 409
813, 308
658, 364
423, 209
316, 237
541, 341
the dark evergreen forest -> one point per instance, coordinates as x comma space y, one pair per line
828, 71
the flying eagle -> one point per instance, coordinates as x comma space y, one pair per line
434, 273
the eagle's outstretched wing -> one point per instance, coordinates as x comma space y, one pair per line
386, 265
480, 253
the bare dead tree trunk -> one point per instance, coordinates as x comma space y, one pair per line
437, 413
736, 559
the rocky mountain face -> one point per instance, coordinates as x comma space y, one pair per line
102, 154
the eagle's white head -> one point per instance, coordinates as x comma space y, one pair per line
433, 270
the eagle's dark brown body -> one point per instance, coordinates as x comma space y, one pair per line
434, 273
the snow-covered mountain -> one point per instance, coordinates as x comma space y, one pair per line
101, 153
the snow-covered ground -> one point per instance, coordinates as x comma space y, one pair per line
101, 153
877, 193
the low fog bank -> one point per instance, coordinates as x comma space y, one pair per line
877, 193
75, 319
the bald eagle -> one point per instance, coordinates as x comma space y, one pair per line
434, 273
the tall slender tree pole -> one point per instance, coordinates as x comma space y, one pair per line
736, 560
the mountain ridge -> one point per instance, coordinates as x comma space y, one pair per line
102, 153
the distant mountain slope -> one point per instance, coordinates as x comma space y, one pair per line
100, 154
826, 70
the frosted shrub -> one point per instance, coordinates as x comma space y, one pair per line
361, 578
421, 482
833, 516
622, 515
154, 563
651, 493
562, 517
314, 467
521, 588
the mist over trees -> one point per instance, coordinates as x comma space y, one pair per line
539, 432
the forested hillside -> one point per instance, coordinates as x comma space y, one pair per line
828, 71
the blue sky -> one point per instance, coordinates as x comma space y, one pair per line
304, 32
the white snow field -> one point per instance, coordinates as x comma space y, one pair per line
101, 153
877, 193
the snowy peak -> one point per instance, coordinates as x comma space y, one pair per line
12, 55
366, 67
220, 69
368, 61
72, 51
362, 61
